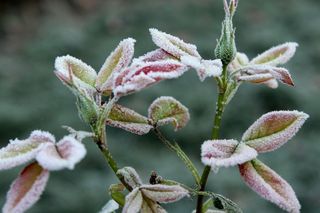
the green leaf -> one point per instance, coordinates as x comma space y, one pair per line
116, 192
165, 110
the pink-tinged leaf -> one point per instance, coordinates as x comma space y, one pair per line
217, 153
278, 55
74, 71
65, 154
167, 110
273, 129
269, 185
164, 193
134, 202
26, 189
136, 78
155, 55
130, 176
238, 62
18, 152
129, 120
173, 45
204, 68
119, 59
256, 78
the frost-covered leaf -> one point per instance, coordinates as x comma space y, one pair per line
151, 207
217, 153
110, 207
130, 176
272, 83
26, 189
129, 120
269, 185
134, 202
278, 55
72, 70
257, 78
18, 152
238, 62
116, 61
204, 68
155, 55
164, 193
65, 154
78, 135
166, 110
172, 44
273, 129
140, 76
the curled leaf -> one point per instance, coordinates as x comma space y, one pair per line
134, 202
18, 152
257, 78
273, 129
155, 55
130, 176
278, 55
166, 110
140, 76
217, 153
116, 61
65, 154
172, 44
164, 193
72, 70
129, 120
238, 62
26, 189
269, 185
149, 206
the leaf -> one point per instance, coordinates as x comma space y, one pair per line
272, 83
204, 68
269, 185
130, 176
149, 206
273, 129
140, 76
110, 207
70, 69
257, 78
119, 59
18, 152
155, 55
217, 153
278, 55
165, 110
134, 202
116, 192
172, 44
26, 189
164, 193
129, 120
67, 152
238, 62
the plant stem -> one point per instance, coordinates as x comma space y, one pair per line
220, 105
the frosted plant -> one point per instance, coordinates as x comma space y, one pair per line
98, 93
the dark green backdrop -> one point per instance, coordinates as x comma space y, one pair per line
33, 33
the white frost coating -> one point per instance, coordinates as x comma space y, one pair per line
155, 55
204, 68
112, 65
173, 45
178, 123
272, 83
65, 154
130, 176
18, 152
218, 153
164, 193
135, 128
269, 185
139, 77
238, 62
85, 73
277, 55
133, 202
19, 203
257, 78
274, 129
110, 207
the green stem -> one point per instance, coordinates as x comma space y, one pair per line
176, 148
220, 106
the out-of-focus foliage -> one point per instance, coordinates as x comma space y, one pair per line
34, 32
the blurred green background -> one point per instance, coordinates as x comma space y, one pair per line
34, 32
